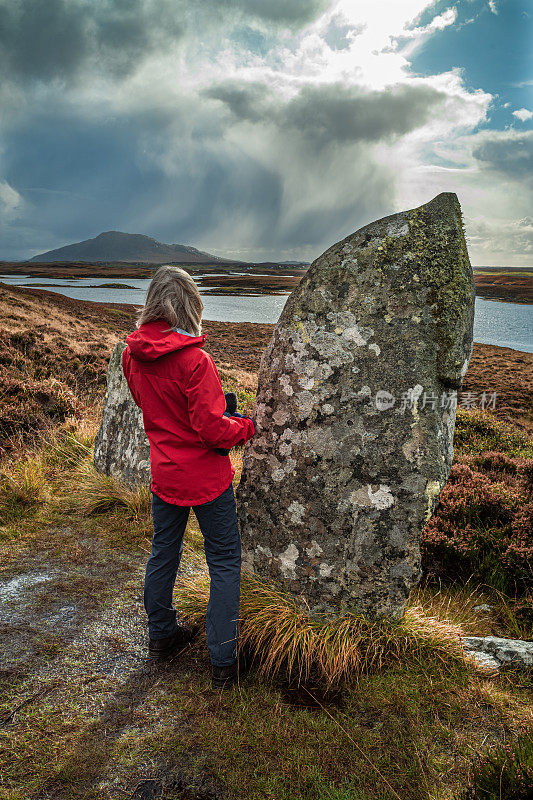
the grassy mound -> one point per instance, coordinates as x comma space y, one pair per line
477, 431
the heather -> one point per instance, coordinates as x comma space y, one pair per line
482, 528
504, 774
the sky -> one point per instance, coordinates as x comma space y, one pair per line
263, 129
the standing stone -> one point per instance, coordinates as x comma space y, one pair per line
121, 447
355, 413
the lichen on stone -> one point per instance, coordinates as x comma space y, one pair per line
387, 311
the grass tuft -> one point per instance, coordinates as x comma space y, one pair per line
284, 638
30, 476
68, 446
95, 493
477, 431
478, 608
23, 487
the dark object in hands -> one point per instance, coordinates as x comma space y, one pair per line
231, 411
231, 403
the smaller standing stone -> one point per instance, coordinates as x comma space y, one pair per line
121, 447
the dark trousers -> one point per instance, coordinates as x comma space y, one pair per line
218, 523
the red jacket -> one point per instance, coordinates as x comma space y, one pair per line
178, 388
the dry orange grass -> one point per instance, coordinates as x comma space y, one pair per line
285, 638
91, 492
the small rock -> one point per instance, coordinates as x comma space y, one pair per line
482, 607
508, 652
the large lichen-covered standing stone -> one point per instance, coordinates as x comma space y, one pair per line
355, 413
121, 447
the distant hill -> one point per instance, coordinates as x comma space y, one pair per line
131, 247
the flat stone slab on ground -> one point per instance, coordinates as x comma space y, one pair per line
506, 652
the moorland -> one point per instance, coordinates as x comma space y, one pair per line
82, 712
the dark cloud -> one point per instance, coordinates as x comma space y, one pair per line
59, 39
66, 168
332, 114
44, 40
508, 153
341, 114
178, 167
176, 176
77, 178
246, 101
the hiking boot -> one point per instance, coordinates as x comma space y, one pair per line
227, 677
164, 648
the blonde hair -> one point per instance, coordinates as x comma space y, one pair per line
173, 296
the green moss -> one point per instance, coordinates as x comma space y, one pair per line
442, 263
435, 251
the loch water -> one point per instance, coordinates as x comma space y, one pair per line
503, 324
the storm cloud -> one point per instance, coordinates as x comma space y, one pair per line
333, 114
59, 39
259, 129
288, 12
509, 153
187, 180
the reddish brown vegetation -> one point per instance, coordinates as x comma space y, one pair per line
102, 269
511, 286
53, 354
275, 283
510, 374
483, 524
28, 396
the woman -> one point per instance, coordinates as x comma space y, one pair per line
177, 386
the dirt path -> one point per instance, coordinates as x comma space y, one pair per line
74, 666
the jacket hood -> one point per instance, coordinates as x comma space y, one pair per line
153, 340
